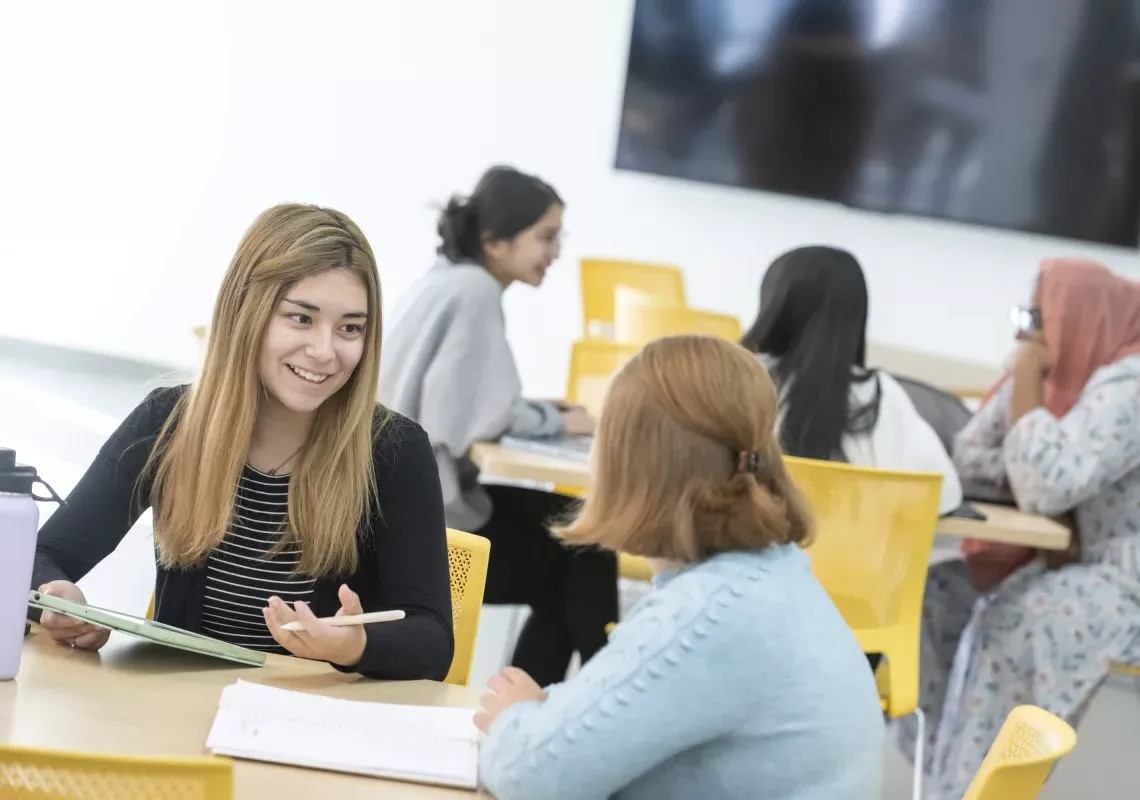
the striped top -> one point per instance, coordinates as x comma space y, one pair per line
241, 575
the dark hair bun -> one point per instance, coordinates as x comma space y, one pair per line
459, 231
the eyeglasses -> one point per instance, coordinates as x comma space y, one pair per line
1025, 320
554, 239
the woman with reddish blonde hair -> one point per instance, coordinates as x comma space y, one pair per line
1009, 626
737, 677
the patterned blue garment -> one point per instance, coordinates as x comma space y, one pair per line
736, 678
1041, 637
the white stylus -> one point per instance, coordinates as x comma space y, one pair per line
352, 619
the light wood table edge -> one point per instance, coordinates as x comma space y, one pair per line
1008, 526
135, 698
1002, 524
496, 461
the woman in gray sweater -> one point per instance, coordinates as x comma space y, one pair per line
447, 364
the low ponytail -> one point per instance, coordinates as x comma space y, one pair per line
714, 514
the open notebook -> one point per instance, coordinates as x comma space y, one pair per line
424, 744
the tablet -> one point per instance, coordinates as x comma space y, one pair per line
147, 629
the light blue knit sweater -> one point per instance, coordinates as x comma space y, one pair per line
737, 678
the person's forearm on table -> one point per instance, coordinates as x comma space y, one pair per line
1028, 393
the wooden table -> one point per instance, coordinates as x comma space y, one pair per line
1010, 526
520, 465
1002, 524
133, 698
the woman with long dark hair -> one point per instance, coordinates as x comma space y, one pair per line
811, 334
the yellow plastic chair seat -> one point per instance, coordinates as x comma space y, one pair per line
634, 568
637, 322
592, 364
61, 775
874, 532
1019, 761
600, 279
467, 559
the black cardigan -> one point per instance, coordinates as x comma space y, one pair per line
402, 543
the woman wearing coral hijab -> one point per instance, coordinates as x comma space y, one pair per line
1007, 627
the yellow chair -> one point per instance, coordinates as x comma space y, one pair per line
600, 278
61, 775
875, 529
1027, 746
638, 323
467, 558
634, 568
592, 363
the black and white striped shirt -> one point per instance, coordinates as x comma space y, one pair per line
241, 575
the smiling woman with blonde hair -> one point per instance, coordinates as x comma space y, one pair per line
282, 491
737, 677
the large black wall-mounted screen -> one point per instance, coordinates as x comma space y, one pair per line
1018, 114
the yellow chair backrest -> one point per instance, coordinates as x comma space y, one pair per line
467, 559
61, 775
638, 323
592, 363
874, 532
1027, 746
600, 278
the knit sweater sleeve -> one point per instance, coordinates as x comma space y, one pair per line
657, 689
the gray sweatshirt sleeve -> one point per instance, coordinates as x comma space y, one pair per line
532, 419
471, 390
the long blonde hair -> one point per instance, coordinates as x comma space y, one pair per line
686, 462
201, 450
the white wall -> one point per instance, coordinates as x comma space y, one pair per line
138, 139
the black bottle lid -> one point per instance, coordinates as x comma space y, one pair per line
15, 478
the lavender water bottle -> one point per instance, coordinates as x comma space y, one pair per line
19, 522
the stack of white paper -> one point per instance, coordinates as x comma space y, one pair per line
414, 743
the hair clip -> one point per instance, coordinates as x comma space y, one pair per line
749, 461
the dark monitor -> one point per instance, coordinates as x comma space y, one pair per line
1019, 114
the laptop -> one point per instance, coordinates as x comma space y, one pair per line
981, 492
571, 448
